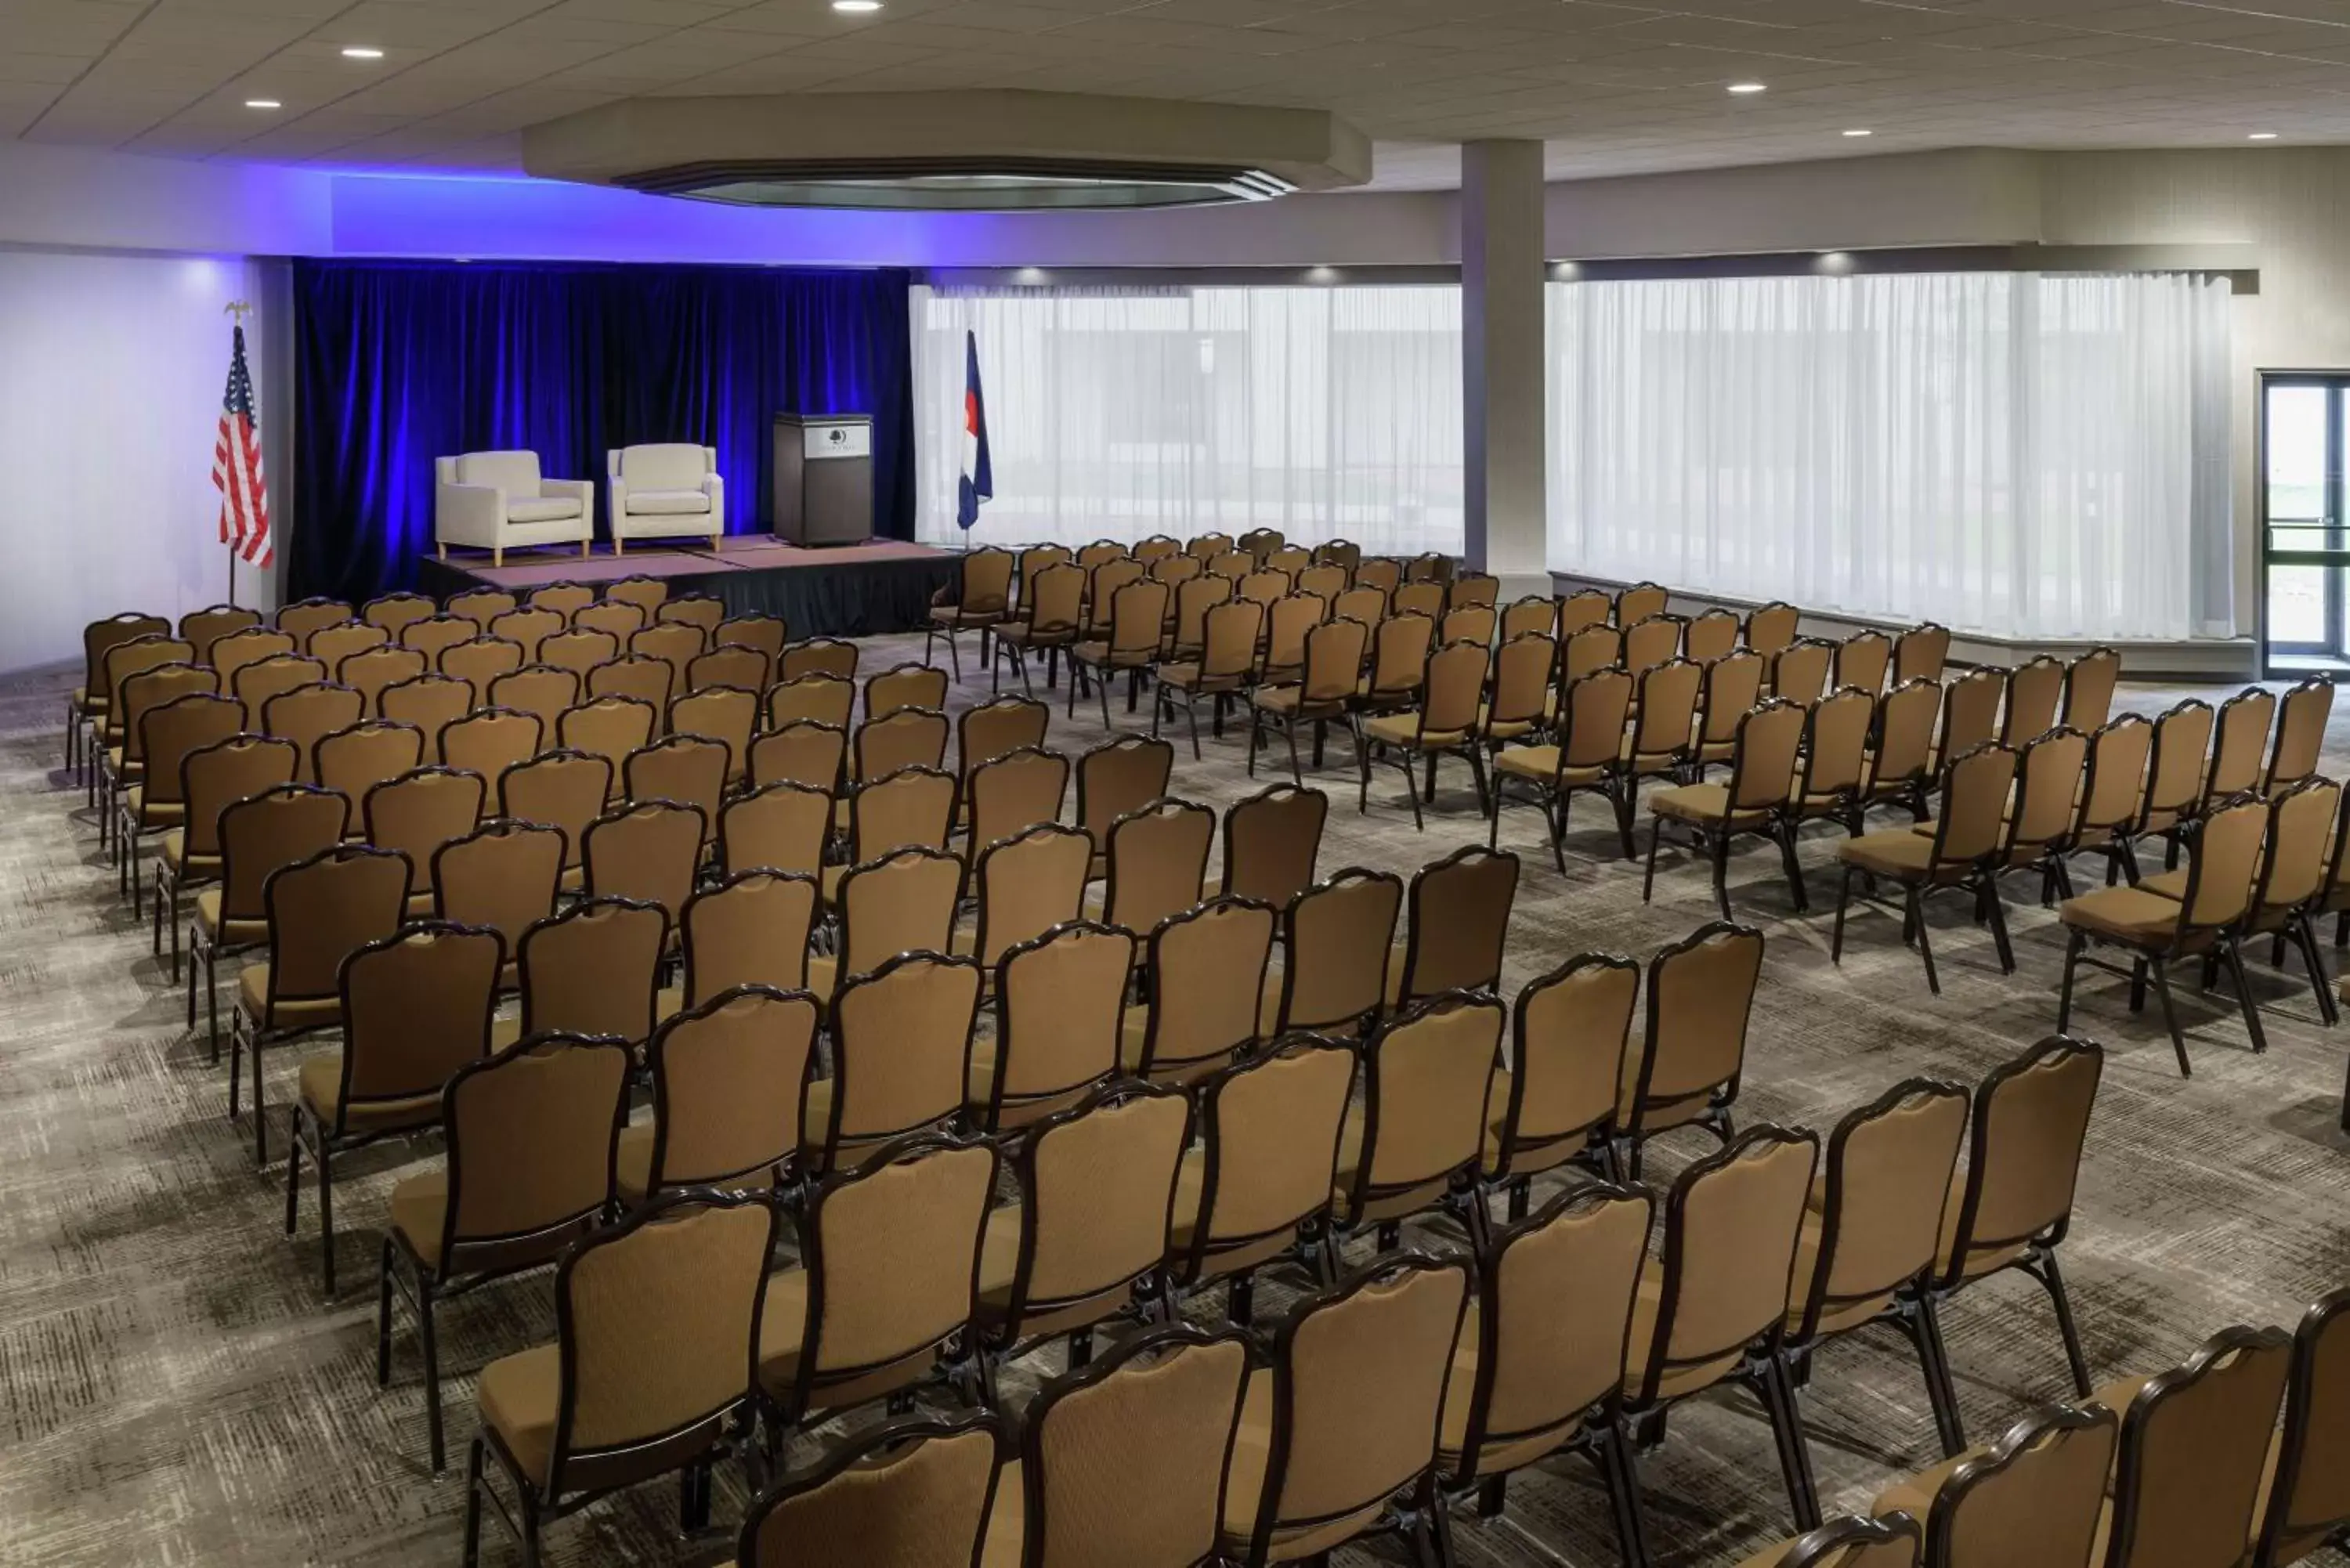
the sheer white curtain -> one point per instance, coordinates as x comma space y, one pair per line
2009, 454
1118, 413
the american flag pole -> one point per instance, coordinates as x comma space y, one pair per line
245, 528
235, 310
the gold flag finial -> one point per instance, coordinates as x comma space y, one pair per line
240, 308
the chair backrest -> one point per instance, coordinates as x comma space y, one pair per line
1368, 603
2023, 1153
803, 752
702, 611
1651, 641
1359, 1374
1427, 1076
2089, 683
416, 1008
986, 581
2182, 743
1762, 761
730, 1087
153, 688
1732, 685
483, 606
1668, 694
1835, 742
904, 902
1380, 571
1334, 663
578, 649
1469, 623
1117, 777
750, 929
480, 661
609, 728
616, 618
901, 1052
430, 702
1592, 711
2300, 732
909, 685
1710, 636
1262, 588
303, 616
564, 598
1138, 617
1480, 590
1522, 669
905, 738
1157, 863
1029, 882
1920, 654
1583, 607
215, 778
489, 741
563, 789
259, 681
781, 827
528, 629
914, 807
639, 676
322, 911
2049, 780
1730, 1227
333, 644
2310, 1502
1015, 791
176, 732
892, 1252
1056, 600
543, 690
1773, 627
1862, 660
818, 697
996, 728
1799, 672
262, 833
395, 610
1455, 696
1272, 840
2116, 775
2294, 865
1060, 1014
1110, 578
727, 714
686, 770
1123, 1460
1975, 790
434, 634
2223, 863
1640, 602
1290, 620
817, 656
374, 670
1336, 936
1207, 969
1399, 650
911, 1493
1554, 1314
1700, 997
1571, 1030
1096, 1195
2036, 690
595, 969
500, 878
1459, 922
230, 652
2241, 742
765, 633
650, 851
421, 810
198, 629
2195, 1449
1889, 1168
1272, 1125
2037, 1495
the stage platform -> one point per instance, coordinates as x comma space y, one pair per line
848, 590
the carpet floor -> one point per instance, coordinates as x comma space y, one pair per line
175, 1389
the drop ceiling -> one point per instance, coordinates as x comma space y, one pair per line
1610, 87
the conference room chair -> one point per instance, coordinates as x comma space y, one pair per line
1638, 603
543, 690
1207, 546
1460, 916
280, 826
434, 635
1709, 635
1731, 688
2239, 742
2203, 920
664, 490
2014, 1208
564, 789
2300, 733
989, 730
729, 714
1397, 673
2035, 691
648, 851
1087, 1239
502, 877
1336, 939
729, 1079
1469, 623
863, 1318
779, 826
978, 600
1232, 566
1445, 721
1116, 777
1261, 543
912, 807
2307, 1500
704, 611
1272, 840
915, 1492
416, 1007
1691, 1060
1893, 1541
1253, 583
609, 727
1921, 653
416, 814
255, 685
372, 672
683, 770
1379, 572
1343, 553
1204, 973
1125, 640
1176, 570
1325, 693
649, 594
752, 930
489, 741
1413, 1146
1368, 603
903, 901
1289, 621
2174, 784
1866, 1253
616, 618
767, 633
1050, 615
2111, 790
331, 644
1519, 699
2211, 1418
430, 702
1555, 1102
1539, 1367
2037, 1495
1012, 793
1712, 1308
1651, 642
211, 779
578, 649
158, 804
1900, 771
200, 628
1582, 608
1345, 1421
816, 699
2297, 863
900, 1059
1281, 557
1323, 579
230, 652
566, 598
1664, 722
527, 628
1863, 660
2089, 684
1218, 670
1533, 613
904, 738
1186, 637
481, 605
124, 761
1757, 800
1027, 883
639, 677
1834, 770
1060, 1008
745, 669
676, 644
1585, 755
319, 912
303, 616
1801, 672
1968, 837
817, 656
1157, 862
593, 969
2050, 778
480, 661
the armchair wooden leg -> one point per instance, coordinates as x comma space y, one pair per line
441, 550
620, 546
497, 556
586, 546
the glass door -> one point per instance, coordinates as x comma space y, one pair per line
2304, 523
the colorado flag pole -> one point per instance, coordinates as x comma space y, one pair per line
978, 472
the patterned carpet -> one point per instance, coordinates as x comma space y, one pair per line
175, 1390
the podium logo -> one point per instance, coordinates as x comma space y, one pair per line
837, 436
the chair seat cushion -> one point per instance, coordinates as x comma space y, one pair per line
665, 502
548, 509
1245, 1485
2130, 915
1895, 853
1403, 729
295, 1012
320, 1083
520, 1396
208, 919
419, 1206
1703, 803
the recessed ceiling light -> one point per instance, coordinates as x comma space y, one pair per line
1858, 132
1743, 87
2262, 136
857, 8
262, 103
362, 52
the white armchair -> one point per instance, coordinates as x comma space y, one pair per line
666, 491
496, 500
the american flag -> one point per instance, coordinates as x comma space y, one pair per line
237, 468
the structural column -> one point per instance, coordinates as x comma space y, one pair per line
1503, 349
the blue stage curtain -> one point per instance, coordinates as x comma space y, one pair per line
398, 363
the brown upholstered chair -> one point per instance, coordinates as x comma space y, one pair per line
902, 738
416, 814
1968, 841
1556, 1101
766, 633
1346, 1420
780, 826
2308, 1501
1028, 885
2111, 791
2035, 691
274, 827
683, 770
647, 593
750, 929
2036, 1496
2196, 1445
1893, 1541
482, 605
394, 610
124, 762
1398, 669
230, 654
200, 628
918, 1493
817, 656
1583, 607
744, 667
303, 616
651, 852
307, 714
434, 634
1050, 615
564, 598
1529, 613
1757, 800
1217, 669
912, 807
1639, 602
255, 685
1415, 1143
479, 662
1324, 692
676, 644
1921, 653
375, 670
1862, 660
1711, 637
1446, 720
1732, 690
528, 628
593, 970
997, 729
1115, 778
1007, 795
638, 677
1127, 641
578, 649
656, 1327
1337, 941
211, 780
1585, 755
803, 752
979, 600
488, 741
1204, 973
729, 1091
1801, 672
904, 902
1459, 922
501, 878
727, 714
1272, 840
1060, 1013
1650, 641
1834, 776
564, 789
908, 685
1523, 699
416, 1007
1771, 628
819, 696
158, 804
430, 702
2300, 733
2089, 684
619, 620
1688, 1070
1157, 863
541, 690
901, 1058
1186, 636
1713, 1308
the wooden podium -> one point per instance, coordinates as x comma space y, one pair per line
823, 479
